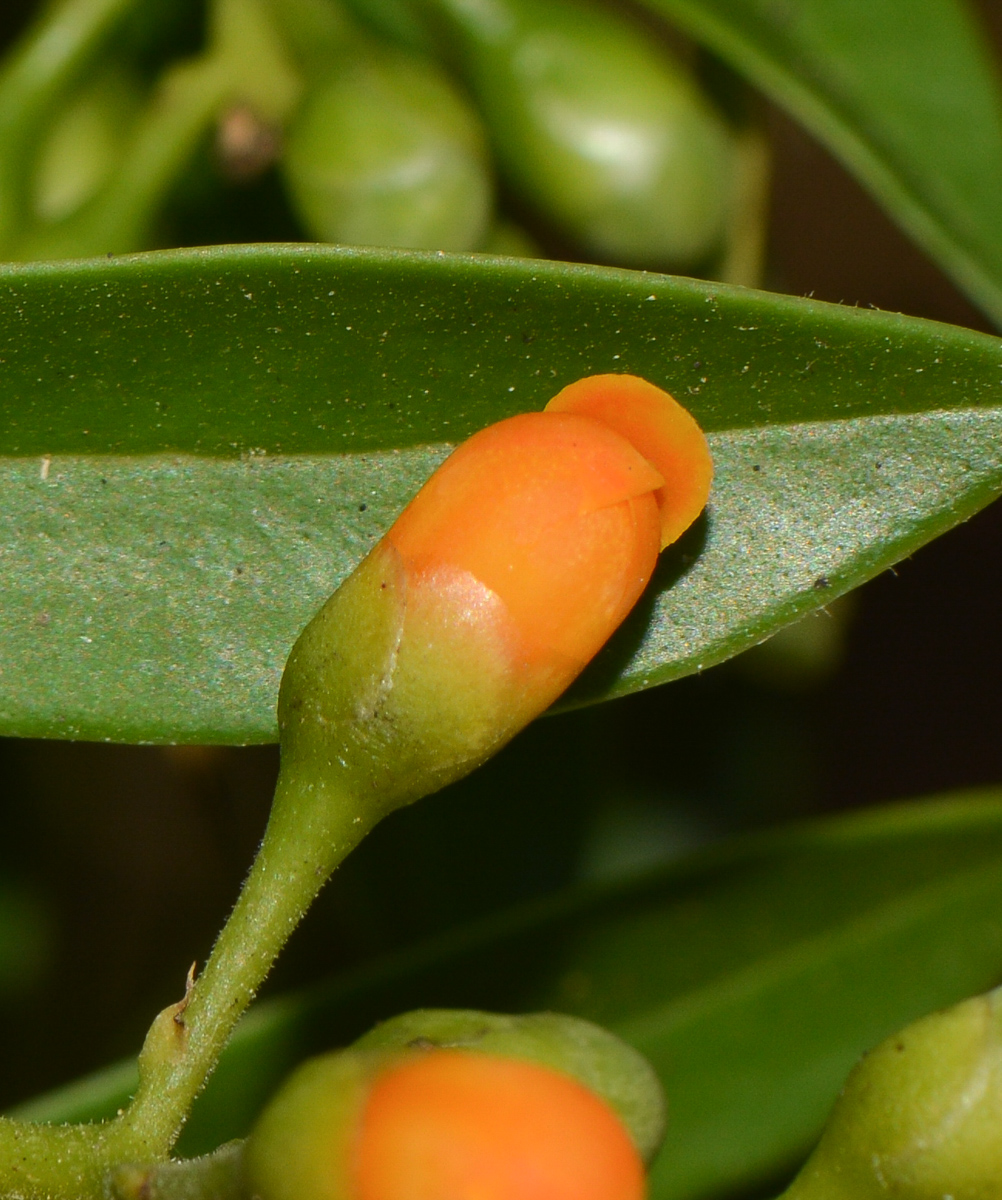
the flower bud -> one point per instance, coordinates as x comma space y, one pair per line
494, 588
497, 583
595, 125
492, 1116
85, 143
386, 153
919, 1117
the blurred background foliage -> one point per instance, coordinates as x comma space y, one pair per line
117, 863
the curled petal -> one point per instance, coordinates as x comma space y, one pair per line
661, 430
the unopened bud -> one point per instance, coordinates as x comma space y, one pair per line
494, 588
920, 1117
437, 1104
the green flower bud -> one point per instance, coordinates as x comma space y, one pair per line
597, 127
85, 144
919, 1117
386, 153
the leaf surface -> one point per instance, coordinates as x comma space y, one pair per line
752, 976
196, 447
904, 92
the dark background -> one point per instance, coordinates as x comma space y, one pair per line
126, 859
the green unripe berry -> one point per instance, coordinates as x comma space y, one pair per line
386, 153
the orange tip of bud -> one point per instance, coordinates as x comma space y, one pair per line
561, 514
466, 1126
660, 429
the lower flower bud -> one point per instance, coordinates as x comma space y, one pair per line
484, 1115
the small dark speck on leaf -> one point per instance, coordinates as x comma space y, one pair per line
382, 587
821, 583
899, 1046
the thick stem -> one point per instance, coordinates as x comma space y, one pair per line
58, 1162
315, 822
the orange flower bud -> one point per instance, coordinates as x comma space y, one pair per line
442, 1104
494, 588
470, 1126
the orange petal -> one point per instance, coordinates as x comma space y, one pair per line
552, 511
454, 1125
662, 431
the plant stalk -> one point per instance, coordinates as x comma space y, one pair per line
315, 823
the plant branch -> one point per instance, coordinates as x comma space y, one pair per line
315, 822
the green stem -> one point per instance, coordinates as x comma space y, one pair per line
216, 1176
745, 239
40, 1162
31, 82
315, 822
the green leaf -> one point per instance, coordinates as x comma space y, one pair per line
904, 92
752, 976
196, 447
